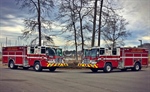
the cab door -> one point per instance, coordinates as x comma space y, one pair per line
25, 60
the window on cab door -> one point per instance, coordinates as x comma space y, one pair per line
102, 51
32, 50
114, 51
43, 50
50, 51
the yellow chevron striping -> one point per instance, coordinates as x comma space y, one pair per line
48, 65
87, 65
56, 64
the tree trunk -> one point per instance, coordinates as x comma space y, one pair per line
82, 37
114, 33
94, 24
76, 46
75, 34
99, 30
39, 22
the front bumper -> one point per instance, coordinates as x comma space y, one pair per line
87, 65
57, 64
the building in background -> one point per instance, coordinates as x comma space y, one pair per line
145, 45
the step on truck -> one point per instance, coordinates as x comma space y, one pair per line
107, 59
38, 57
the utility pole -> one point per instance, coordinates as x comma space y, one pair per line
9, 42
18, 40
15, 42
140, 43
1, 46
6, 41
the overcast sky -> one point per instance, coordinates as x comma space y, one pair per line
136, 12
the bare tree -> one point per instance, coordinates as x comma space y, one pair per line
115, 31
106, 10
67, 15
73, 14
83, 15
81, 22
73, 18
38, 8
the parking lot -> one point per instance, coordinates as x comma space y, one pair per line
73, 80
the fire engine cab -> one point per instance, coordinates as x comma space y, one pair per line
38, 57
108, 59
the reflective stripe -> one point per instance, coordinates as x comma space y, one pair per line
56, 64
120, 57
133, 57
14, 55
108, 58
48, 65
37, 57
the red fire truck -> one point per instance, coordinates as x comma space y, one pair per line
38, 57
108, 59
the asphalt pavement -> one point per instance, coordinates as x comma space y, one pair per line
73, 80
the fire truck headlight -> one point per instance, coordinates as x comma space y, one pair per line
62, 60
83, 62
92, 61
51, 61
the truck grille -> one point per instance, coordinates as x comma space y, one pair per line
58, 60
86, 61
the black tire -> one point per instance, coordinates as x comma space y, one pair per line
37, 67
94, 70
12, 65
137, 67
52, 69
124, 69
107, 68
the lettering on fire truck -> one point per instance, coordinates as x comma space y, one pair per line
108, 59
38, 57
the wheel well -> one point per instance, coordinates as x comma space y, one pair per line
36, 61
138, 63
108, 63
11, 60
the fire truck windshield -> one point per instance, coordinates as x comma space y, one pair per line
58, 52
86, 52
50, 52
93, 52
54, 51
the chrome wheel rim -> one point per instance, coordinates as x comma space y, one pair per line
108, 68
11, 65
37, 67
137, 67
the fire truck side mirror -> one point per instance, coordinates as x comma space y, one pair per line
97, 53
46, 52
